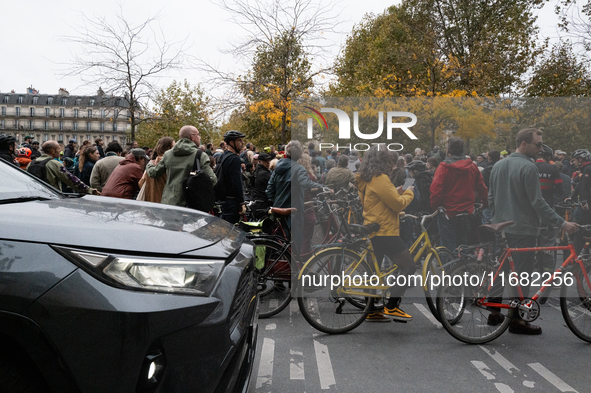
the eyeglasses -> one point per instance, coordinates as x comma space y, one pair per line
538, 145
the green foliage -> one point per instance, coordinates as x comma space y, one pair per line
178, 105
560, 73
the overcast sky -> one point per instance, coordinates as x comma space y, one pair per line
32, 51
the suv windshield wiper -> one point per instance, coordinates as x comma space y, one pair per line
24, 199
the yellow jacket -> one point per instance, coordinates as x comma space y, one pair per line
382, 203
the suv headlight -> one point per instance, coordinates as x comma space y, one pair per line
190, 276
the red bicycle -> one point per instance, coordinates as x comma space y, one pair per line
480, 296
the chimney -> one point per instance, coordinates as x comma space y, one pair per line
63, 92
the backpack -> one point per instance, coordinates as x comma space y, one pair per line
37, 169
220, 187
197, 188
244, 157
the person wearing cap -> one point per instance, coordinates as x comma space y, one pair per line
566, 167
35, 150
124, 181
261, 175
70, 149
177, 163
27, 140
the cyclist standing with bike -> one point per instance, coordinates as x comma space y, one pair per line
382, 203
515, 195
582, 192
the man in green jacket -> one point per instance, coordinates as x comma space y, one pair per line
177, 163
55, 171
515, 195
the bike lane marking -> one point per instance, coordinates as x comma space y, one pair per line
265, 374
500, 359
325, 372
296, 365
551, 377
428, 315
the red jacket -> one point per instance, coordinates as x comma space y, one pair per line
123, 181
453, 186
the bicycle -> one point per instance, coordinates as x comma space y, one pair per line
341, 309
484, 308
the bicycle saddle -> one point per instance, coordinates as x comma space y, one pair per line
283, 211
364, 229
498, 227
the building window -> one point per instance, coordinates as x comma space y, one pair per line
32, 111
2, 124
75, 112
74, 138
62, 112
114, 126
75, 126
61, 125
115, 113
102, 137
88, 126
3, 111
16, 124
35, 99
89, 113
103, 113
31, 124
6, 99
88, 137
64, 100
78, 100
49, 100
46, 112
102, 127
92, 101
60, 137
45, 137
18, 111
114, 137
118, 102
46, 125
20, 99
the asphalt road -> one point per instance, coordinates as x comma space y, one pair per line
419, 356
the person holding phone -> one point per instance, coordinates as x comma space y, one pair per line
382, 203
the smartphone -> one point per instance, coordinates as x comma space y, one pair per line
408, 182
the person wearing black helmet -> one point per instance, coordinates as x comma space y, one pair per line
229, 188
7, 151
551, 185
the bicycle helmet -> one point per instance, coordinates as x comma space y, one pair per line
233, 135
546, 151
6, 141
581, 153
24, 152
417, 166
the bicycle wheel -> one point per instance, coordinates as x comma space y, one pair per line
274, 280
433, 270
325, 308
459, 300
575, 301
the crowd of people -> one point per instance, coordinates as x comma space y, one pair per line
522, 186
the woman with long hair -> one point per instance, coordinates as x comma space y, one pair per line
382, 203
151, 189
86, 161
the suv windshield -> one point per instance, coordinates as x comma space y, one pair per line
17, 185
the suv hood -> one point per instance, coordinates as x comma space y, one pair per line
119, 225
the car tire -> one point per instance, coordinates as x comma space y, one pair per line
18, 374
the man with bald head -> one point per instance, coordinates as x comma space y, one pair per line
55, 173
177, 162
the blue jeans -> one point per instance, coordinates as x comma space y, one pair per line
453, 231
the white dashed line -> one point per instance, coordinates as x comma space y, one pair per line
551, 377
482, 367
296, 367
428, 314
325, 372
265, 375
503, 362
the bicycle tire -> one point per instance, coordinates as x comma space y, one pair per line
322, 307
274, 286
575, 302
472, 326
434, 266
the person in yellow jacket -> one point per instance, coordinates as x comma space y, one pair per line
382, 203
